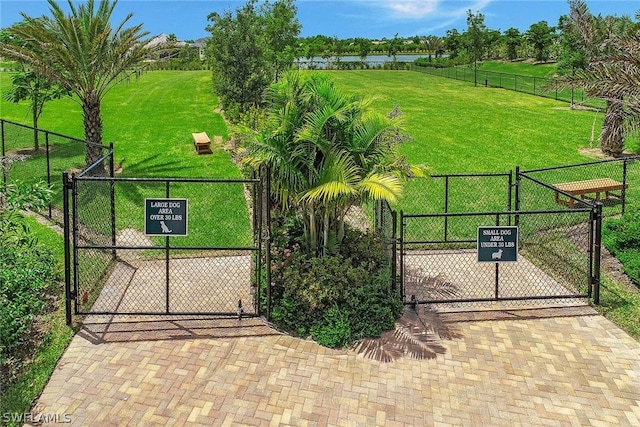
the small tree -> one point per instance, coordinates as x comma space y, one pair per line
394, 46
27, 85
248, 50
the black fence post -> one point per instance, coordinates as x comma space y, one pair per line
4, 172
112, 196
67, 247
597, 246
401, 240
46, 150
394, 251
267, 205
623, 192
517, 195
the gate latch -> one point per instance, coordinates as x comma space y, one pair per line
240, 309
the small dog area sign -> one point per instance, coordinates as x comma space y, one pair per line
165, 217
497, 244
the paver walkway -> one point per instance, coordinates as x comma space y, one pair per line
528, 368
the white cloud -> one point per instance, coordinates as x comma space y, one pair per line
419, 9
411, 8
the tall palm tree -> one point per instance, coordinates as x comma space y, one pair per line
610, 74
327, 152
83, 54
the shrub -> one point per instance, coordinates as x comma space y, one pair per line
27, 279
336, 299
622, 237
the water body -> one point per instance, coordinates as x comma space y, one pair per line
372, 60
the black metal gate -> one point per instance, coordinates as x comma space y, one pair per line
214, 268
558, 257
558, 248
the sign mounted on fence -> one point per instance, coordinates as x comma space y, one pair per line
165, 217
497, 244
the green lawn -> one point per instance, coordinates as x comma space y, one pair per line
519, 67
150, 121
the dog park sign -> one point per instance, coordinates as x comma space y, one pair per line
497, 244
165, 217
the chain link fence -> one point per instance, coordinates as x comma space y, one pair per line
554, 259
120, 267
538, 86
56, 153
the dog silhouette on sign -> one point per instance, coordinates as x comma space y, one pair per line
164, 227
497, 255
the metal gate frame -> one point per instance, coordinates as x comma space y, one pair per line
513, 218
74, 248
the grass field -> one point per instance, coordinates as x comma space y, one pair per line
150, 122
459, 128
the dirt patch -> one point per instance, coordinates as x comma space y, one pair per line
29, 151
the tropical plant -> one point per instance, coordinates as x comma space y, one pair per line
327, 152
83, 54
433, 44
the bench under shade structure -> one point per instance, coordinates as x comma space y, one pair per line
202, 143
599, 189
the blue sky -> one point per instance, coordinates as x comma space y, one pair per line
187, 19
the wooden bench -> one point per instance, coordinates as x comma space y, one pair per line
582, 189
202, 143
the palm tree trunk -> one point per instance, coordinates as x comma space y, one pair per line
611, 136
93, 131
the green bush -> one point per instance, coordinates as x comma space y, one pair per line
27, 279
335, 299
622, 237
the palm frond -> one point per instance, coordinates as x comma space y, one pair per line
379, 186
412, 338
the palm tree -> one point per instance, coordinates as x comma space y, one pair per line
612, 72
327, 152
83, 54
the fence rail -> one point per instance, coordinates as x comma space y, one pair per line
57, 153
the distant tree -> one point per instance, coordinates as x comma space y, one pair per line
512, 40
364, 47
541, 36
248, 50
491, 43
83, 54
27, 85
453, 43
281, 33
474, 37
394, 46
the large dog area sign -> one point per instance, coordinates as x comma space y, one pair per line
497, 244
165, 217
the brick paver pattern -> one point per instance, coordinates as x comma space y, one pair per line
573, 370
